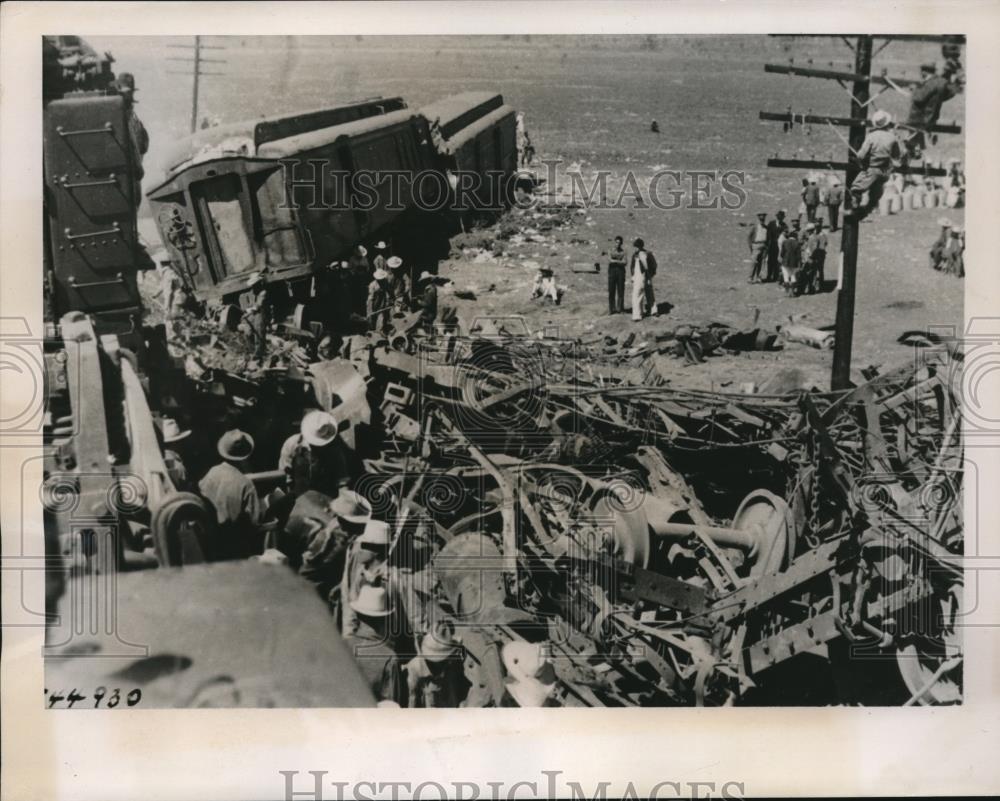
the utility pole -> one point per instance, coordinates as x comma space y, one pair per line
197, 71
840, 377
861, 81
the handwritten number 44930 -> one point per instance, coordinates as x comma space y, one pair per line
109, 698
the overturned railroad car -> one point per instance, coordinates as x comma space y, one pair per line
293, 194
476, 133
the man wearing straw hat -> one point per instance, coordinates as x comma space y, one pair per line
379, 307
173, 441
313, 459
435, 677
398, 285
234, 497
879, 152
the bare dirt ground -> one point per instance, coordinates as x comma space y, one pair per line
589, 102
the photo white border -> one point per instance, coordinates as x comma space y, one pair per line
187, 754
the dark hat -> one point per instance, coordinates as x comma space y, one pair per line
619, 239
928, 67
762, 214
781, 213
235, 445
638, 243
125, 80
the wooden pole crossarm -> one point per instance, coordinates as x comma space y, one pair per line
841, 166
809, 119
899, 37
836, 75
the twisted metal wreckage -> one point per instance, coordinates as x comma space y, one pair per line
671, 546
667, 546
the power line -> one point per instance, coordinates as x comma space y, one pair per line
197, 72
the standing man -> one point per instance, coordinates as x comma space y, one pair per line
637, 271
617, 260
818, 245
381, 250
314, 459
758, 241
379, 306
834, 197
428, 301
777, 229
398, 285
810, 196
360, 275
234, 498
879, 152
791, 261
650, 273
261, 312
139, 138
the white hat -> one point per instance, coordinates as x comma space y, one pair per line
376, 533
393, 262
253, 278
439, 643
372, 601
425, 276
172, 431
957, 229
380, 245
319, 428
380, 274
531, 679
344, 265
881, 118
944, 222
351, 507
362, 250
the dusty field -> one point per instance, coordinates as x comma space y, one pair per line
589, 102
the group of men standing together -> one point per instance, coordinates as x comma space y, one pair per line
793, 256
639, 267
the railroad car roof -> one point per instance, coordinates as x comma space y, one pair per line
254, 133
458, 111
292, 145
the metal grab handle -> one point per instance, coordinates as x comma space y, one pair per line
117, 280
108, 128
110, 181
115, 229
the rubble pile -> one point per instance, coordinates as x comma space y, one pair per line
661, 546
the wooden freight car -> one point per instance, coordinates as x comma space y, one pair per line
479, 147
295, 194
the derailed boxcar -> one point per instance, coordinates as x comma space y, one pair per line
291, 195
479, 146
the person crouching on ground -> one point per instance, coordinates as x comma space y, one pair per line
545, 285
940, 244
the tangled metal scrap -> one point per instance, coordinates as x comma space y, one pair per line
675, 547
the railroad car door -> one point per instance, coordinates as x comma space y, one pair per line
91, 198
220, 203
